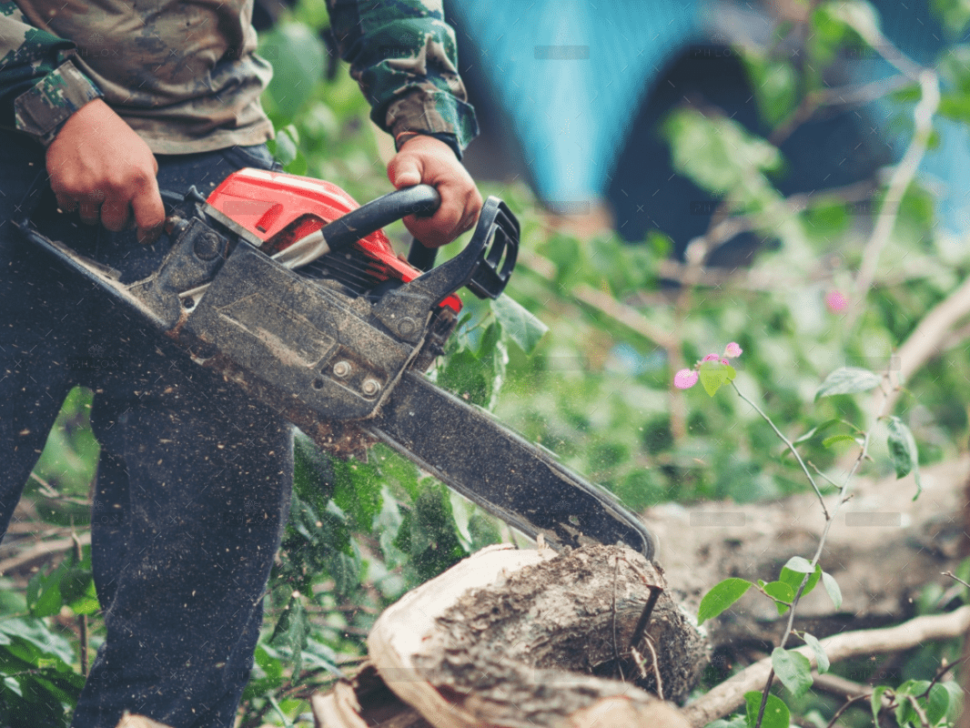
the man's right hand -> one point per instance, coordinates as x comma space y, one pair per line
99, 166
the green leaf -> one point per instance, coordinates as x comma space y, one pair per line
832, 587
776, 714
775, 84
848, 380
36, 633
829, 441
800, 564
902, 448
720, 597
955, 706
714, 375
781, 591
794, 579
875, 701
732, 161
290, 633
268, 661
345, 571
483, 531
44, 591
429, 532
937, 703
520, 324
284, 146
357, 491
11, 684
818, 430
905, 714
821, 658
793, 669
954, 14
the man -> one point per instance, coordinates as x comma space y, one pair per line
117, 100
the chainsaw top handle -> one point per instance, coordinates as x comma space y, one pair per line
421, 200
494, 244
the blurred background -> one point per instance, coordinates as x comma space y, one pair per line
791, 175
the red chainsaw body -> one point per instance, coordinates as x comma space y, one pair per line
281, 208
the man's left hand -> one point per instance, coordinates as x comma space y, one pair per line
424, 159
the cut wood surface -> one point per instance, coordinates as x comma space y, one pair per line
531, 638
883, 550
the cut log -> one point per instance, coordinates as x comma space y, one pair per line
530, 638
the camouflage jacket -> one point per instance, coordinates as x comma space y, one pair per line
186, 77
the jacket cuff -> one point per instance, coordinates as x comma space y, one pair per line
433, 113
43, 110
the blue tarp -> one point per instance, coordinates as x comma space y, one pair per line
571, 74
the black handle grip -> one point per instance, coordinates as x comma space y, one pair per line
368, 218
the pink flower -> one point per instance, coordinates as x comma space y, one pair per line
733, 350
835, 301
725, 361
685, 378
712, 357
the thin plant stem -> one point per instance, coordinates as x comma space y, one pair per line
829, 520
788, 444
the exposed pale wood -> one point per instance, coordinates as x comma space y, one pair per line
398, 634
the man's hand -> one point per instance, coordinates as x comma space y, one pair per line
424, 159
99, 166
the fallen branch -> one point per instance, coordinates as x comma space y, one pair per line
729, 695
930, 336
899, 182
39, 553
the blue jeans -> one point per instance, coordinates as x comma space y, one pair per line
194, 478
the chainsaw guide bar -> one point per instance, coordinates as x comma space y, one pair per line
339, 343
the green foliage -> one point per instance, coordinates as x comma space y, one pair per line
832, 587
848, 380
902, 448
822, 659
721, 597
714, 375
793, 669
781, 592
776, 713
40, 684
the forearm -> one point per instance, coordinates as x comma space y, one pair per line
404, 57
39, 87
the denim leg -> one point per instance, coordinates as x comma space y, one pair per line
43, 325
194, 478
190, 503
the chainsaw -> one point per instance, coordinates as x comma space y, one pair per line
291, 290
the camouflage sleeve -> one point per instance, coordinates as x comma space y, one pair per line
403, 55
39, 86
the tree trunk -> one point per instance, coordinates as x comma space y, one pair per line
530, 638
